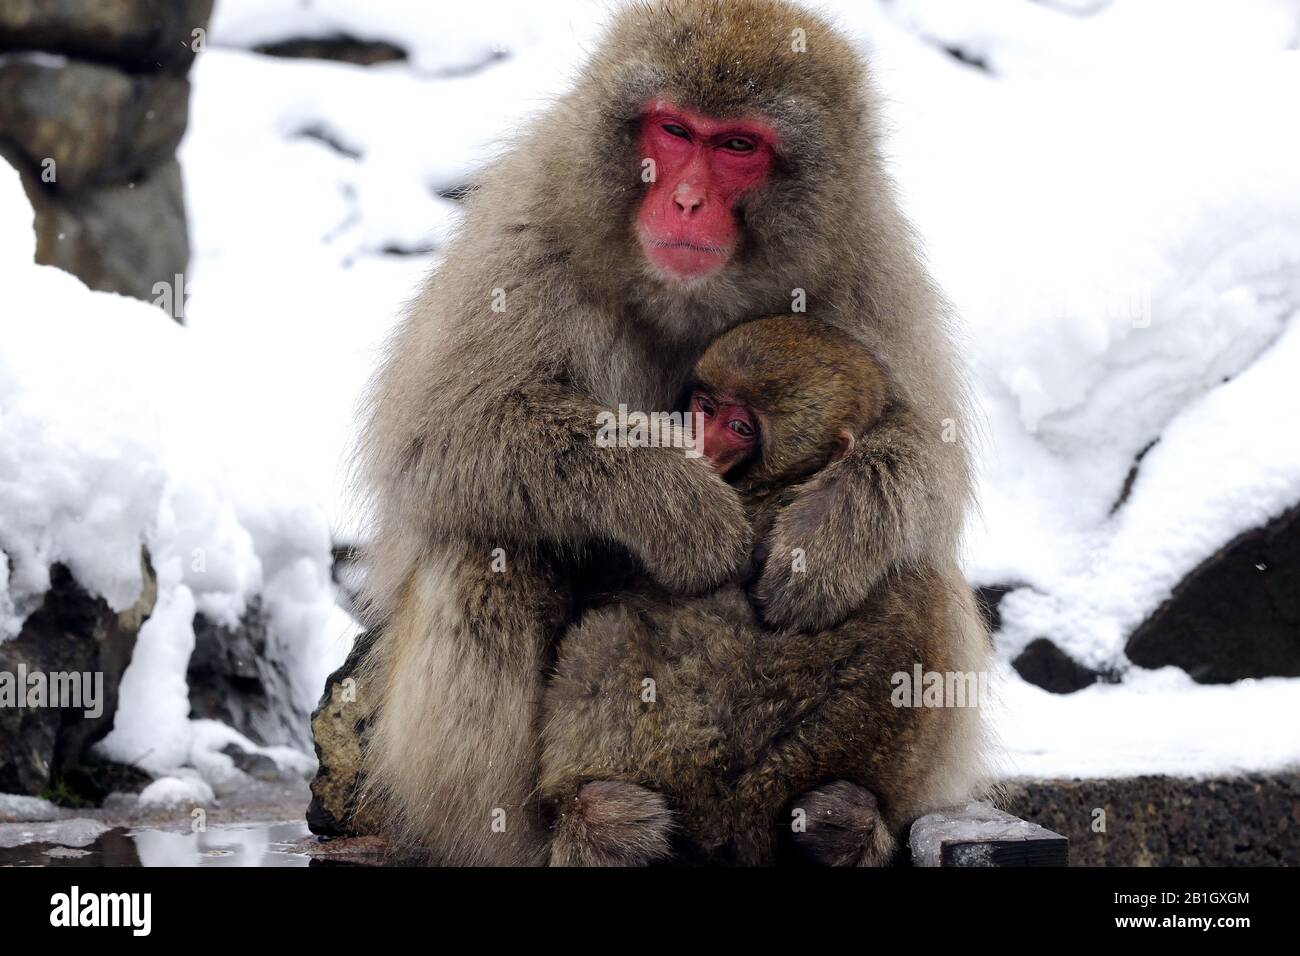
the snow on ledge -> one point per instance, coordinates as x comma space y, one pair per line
1155, 722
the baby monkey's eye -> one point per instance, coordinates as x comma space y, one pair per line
741, 428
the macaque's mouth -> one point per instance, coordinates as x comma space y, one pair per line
680, 259
690, 246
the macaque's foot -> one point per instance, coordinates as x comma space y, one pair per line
612, 823
844, 827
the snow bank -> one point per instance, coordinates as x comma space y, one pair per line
1025, 39
119, 428
1155, 722
1121, 240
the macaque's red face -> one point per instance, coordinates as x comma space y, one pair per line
702, 168
730, 430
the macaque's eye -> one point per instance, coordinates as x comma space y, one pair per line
672, 129
738, 145
741, 428
705, 405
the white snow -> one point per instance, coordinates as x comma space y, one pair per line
120, 429
443, 40
179, 791
1155, 722
1113, 208
1120, 234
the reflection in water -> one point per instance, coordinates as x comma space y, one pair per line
249, 844
255, 845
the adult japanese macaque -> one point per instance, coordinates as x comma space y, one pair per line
683, 729
715, 161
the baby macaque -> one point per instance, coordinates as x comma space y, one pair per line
680, 729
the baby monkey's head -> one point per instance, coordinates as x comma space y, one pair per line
783, 397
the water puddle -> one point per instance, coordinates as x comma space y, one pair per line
241, 844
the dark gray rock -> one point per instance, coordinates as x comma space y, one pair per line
254, 764
235, 680
339, 731
1237, 615
135, 34
72, 632
1044, 664
123, 238
99, 125
91, 780
345, 49
108, 105
1169, 821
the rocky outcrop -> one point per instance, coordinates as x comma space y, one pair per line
124, 123
71, 634
137, 35
1168, 821
94, 128
339, 729
1237, 615
122, 238
234, 679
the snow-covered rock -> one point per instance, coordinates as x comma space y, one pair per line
179, 791
119, 428
60, 681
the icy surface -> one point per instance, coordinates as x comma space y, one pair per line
77, 832
17, 808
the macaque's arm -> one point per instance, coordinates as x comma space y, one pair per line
894, 499
528, 467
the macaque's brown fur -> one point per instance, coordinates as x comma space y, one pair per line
735, 727
544, 312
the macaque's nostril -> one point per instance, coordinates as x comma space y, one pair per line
687, 197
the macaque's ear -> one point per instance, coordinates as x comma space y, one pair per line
844, 443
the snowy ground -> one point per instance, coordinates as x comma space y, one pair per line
1114, 208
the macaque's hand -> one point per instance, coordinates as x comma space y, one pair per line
695, 535
819, 561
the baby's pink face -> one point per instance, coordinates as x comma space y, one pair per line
730, 429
